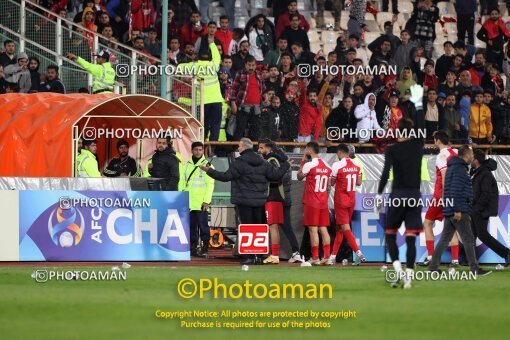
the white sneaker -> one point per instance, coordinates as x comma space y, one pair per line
296, 257
314, 262
326, 262
332, 258
408, 278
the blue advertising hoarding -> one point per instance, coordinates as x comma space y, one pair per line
103, 226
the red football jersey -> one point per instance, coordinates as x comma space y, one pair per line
346, 173
441, 163
317, 174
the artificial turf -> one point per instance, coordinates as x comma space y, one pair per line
126, 309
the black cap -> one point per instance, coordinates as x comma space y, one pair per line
351, 50
394, 93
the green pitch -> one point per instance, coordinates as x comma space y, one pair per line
126, 309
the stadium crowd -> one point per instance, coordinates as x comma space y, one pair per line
465, 89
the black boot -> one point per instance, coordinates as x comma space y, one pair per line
193, 249
205, 249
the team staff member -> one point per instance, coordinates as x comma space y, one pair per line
249, 174
165, 164
86, 162
212, 92
200, 188
123, 165
459, 190
485, 203
103, 73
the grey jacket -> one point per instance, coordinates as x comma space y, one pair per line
402, 56
13, 74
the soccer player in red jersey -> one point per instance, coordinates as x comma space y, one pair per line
345, 177
435, 211
315, 201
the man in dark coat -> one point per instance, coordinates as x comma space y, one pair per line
485, 203
458, 196
165, 164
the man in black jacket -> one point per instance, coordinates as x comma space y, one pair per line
485, 203
458, 196
165, 164
249, 174
123, 165
278, 204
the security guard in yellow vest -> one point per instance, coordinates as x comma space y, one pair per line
200, 187
103, 73
86, 162
207, 70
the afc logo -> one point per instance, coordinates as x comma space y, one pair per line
253, 239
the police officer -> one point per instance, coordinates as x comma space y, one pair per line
86, 162
164, 164
212, 91
200, 188
102, 72
123, 165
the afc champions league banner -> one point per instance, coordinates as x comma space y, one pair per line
103, 226
367, 226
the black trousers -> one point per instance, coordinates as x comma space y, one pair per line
247, 119
394, 6
466, 24
253, 215
479, 226
287, 229
198, 223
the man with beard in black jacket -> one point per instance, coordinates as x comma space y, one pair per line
249, 175
485, 202
341, 119
165, 164
278, 204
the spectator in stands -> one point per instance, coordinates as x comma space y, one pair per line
501, 116
444, 62
493, 82
428, 78
273, 80
336, 6
394, 6
226, 61
302, 56
273, 56
356, 24
35, 76
375, 45
487, 5
86, 4
285, 20
295, 33
140, 47
452, 123
450, 85
225, 79
88, 20
287, 66
194, 29
152, 44
480, 122
103, 20
182, 10
494, 33
461, 49
289, 115
276, 8
342, 117
224, 34
202, 43
189, 53
395, 114
143, 14
237, 37
3, 83
465, 83
245, 99
173, 29
383, 54
466, 10
53, 83
367, 117
239, 59
19, 73
478, 68
402, 55
175, 56
98, 6
358, 94
260, 38
108, 33
270, 120
457, 67
360, 51
434, 113
425, 15
465, 110
8, 57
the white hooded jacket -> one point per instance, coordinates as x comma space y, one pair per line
367, 119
